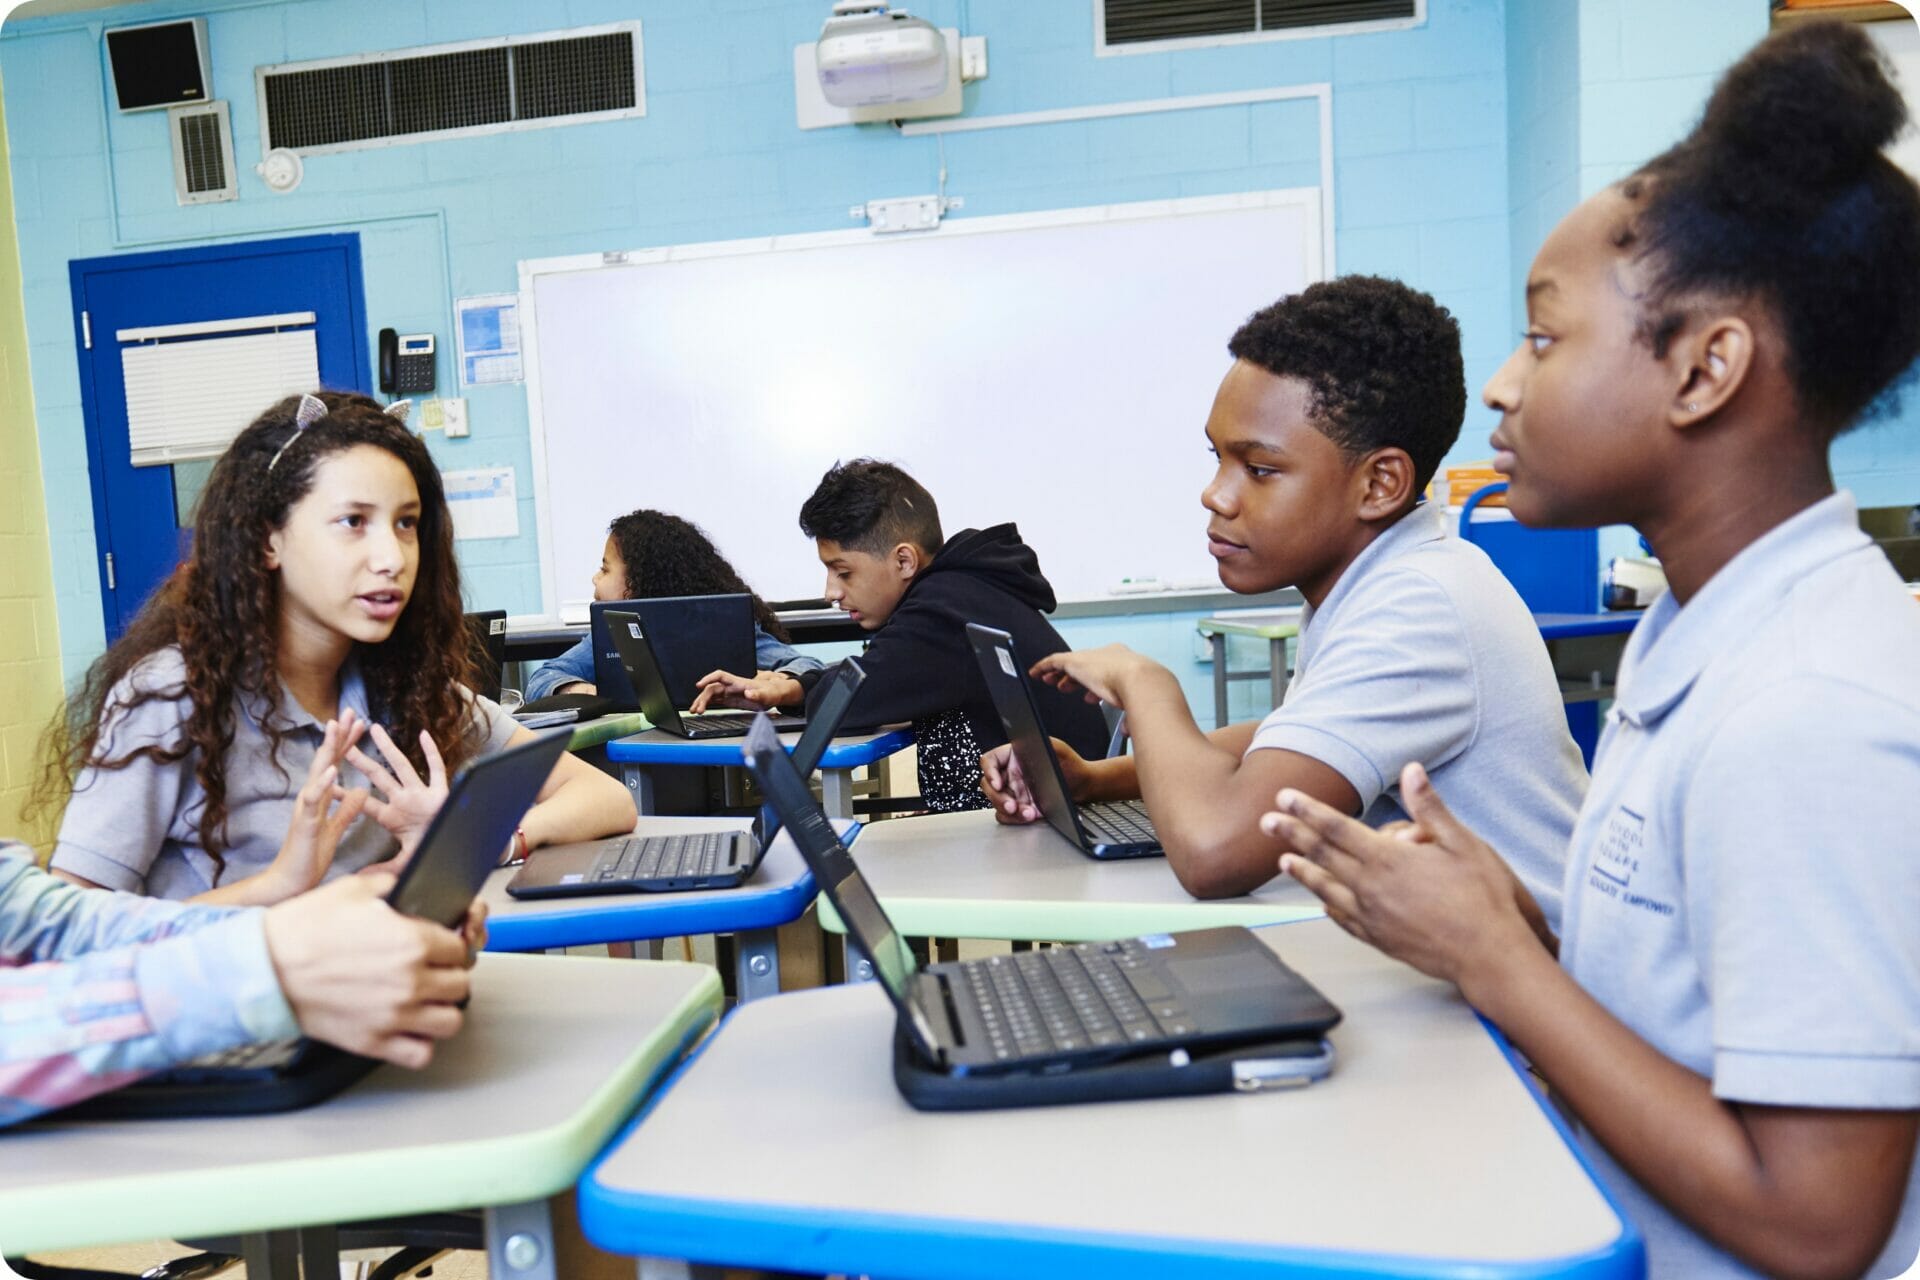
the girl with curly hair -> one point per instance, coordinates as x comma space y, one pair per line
320, 604
651, 555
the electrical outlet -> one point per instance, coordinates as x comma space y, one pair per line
454, 413
973, 59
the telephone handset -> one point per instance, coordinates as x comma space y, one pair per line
406, 362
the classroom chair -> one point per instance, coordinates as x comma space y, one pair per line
1555, 571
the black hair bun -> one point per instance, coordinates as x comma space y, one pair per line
1813, 106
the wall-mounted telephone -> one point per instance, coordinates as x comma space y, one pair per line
406, 362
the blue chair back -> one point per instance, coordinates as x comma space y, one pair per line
1554, 570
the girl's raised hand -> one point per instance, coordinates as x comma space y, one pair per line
406, 803
322, 812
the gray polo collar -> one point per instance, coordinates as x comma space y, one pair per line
289, 713
1673, 644
1422, 524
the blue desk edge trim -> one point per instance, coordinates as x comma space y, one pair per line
887, 1244
726, 751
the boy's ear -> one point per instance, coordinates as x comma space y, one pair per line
907, 560
1387, 479
1711, 363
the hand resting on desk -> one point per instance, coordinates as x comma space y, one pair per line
763, 691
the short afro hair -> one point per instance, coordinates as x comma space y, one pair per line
871, 506
1782, 195
1381, 360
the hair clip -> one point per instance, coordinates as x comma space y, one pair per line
399, 410
312, 409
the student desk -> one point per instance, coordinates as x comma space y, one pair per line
597, 732
507, 1115
963, 875
1275, 628
638, 755
1426, 1153
1584, 671
779, 892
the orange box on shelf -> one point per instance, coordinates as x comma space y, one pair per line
1458, 483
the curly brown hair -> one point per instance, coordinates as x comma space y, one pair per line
221, 609
670, 556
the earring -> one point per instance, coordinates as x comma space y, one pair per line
1692, 408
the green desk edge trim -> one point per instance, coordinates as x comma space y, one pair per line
1264, 630
262, 1196
1065, 921
607, 728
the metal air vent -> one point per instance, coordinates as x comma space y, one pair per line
202, 153
482, 86
1129, 24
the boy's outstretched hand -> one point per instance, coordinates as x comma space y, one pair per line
1430, 893
360, 975
1102, 673
763, 691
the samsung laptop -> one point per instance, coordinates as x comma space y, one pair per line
1171, 998
685, 860
1118, 829
691, 636
461, 847
633, 640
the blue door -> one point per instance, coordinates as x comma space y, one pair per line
143, 516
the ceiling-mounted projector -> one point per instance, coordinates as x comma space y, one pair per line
868, 56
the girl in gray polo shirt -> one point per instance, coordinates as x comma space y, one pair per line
1734, 1018
320, 602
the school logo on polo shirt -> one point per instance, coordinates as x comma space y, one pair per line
1617, 864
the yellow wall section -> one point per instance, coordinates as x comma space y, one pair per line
29, 632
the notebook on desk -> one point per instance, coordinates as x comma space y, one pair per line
691, 636
461, 847
687, 860
633, 641
1114, 829
1190, 1012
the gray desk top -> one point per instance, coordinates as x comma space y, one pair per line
553, 1057
1424, 1153
963, 875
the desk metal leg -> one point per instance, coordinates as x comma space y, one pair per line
836, 792
756, 964
639, 780
273, 1255
1277, 673
1219, 643
319, 1252
664, 1269
520, 1242
858, 967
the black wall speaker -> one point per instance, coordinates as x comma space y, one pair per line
160, 64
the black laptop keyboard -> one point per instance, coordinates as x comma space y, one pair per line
1122, 822
665, 857
1094, 995
723, 725
268, 1057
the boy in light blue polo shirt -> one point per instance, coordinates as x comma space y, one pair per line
1340, 404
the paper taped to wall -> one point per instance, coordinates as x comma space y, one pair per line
483, 502
488, 326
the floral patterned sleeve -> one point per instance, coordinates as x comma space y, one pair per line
99, 988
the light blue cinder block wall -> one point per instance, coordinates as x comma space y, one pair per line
1420, 153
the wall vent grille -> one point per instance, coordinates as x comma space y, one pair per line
408, 95
1130, 23
202, 154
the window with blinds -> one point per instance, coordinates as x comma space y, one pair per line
191, 388
439, 91
1130, 26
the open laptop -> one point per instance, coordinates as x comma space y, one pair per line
691, 636
633, 640
1115, 829
488, 630
686, 860
1061, 1008
461, 847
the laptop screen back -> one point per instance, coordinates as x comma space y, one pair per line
1013, 700
831, 864
635, 647
691, 635
469, 834
842, 683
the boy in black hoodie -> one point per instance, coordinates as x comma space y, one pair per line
878, 534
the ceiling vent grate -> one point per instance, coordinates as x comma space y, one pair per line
202, 154
490, 86
1131, 23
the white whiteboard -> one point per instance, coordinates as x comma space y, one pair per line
1051, 369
